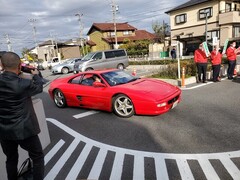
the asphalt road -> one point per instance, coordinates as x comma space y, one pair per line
199, 139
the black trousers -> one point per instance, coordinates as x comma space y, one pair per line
202, 70
231, 67
216, 71
34, 148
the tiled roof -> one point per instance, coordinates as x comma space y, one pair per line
110, 27
187, 4
140, 35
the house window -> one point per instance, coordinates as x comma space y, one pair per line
126, 33
212, 34
182, 18
228, 7
207, 11
236, 31
111, 34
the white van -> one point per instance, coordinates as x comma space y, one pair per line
54, 61
107, 59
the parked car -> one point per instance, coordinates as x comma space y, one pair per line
65, 67
116, 58
117, 91
54, 61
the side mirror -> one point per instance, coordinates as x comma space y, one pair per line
98, 84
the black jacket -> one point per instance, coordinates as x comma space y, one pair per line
18, 120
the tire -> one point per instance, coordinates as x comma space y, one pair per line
89, 69
122, 106
59, 99
120, 66
65, 70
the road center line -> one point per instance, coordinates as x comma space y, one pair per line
78, 116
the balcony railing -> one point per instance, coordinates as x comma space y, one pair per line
229, 17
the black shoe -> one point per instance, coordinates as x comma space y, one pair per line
204, 81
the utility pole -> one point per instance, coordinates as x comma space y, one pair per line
55, 53
114, 11
32, 22
81, 31
9, 44
206, 23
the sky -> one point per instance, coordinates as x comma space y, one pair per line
57, 19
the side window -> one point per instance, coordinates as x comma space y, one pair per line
98, 56
76, 80
87, 80
119, 53
109, 54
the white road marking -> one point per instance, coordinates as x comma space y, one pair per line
98, 164
184, 169
79, 163
53, 151
208, 170
161, 168
88, 113
58, 166
159, 159
200, 85
117, 166
138, 168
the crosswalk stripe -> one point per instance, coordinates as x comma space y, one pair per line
231, 168
184, 169
117, 166
79, 163
138, 168
88, 113
60, 163
53, 151
98, 165
161, 168
208, 169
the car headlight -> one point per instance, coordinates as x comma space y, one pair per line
162, 104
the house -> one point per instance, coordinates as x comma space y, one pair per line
190, 21
102, 35
49, 49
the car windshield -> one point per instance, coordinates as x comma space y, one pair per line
118, 77
87, 57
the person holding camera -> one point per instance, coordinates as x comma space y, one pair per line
18, 121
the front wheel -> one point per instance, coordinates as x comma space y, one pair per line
123, 106
65, 70
120, 66
59, 99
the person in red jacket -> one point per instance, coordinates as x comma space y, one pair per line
201, 61
231, 56
216, 59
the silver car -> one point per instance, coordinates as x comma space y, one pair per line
65, 67
115, 58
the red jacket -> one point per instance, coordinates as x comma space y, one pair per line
200, 56
231, 55
216, 57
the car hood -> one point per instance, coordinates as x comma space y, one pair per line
156, 88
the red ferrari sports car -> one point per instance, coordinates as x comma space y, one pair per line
115, 90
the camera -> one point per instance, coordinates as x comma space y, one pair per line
27, 68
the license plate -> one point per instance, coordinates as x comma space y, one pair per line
174, 104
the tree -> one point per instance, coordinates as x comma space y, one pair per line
26, 53
161, 30
136, 48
